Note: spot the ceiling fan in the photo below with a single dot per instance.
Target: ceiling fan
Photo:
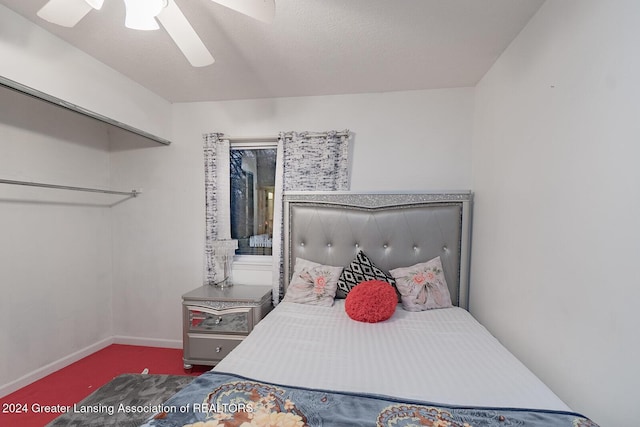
(144, 14)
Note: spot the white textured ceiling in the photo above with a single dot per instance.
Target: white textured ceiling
(313, 47)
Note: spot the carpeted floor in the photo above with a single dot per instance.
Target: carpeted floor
(127, 400)
(73, 383)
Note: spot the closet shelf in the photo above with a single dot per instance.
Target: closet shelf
(132, 193)
(19, 87)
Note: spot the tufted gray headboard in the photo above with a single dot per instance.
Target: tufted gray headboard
(394, 230)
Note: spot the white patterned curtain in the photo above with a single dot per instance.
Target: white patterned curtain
(306, 162)
(217, 205)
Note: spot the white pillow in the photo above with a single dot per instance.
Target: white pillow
(312, 283)
(422, 286)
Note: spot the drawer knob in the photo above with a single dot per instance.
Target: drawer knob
(218, 320)
(218, 349)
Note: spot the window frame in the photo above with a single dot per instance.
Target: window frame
(253, 262)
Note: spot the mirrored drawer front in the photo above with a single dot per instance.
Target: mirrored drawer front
(203, 320)
(206, 347)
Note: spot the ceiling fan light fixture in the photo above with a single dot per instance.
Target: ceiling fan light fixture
(140, 14)
(96, 4)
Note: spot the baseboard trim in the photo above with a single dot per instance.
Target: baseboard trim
(52, 367)
(147, 342)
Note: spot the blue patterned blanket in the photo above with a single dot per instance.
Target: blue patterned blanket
(225, 400)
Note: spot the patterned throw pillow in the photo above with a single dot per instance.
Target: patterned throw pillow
(422, 286)
(361, 269)
(312, 283)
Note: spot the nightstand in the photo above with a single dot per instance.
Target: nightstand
(215, 320)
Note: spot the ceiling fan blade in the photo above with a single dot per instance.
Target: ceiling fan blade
(183, 34)
(66, 13)
(262, 10)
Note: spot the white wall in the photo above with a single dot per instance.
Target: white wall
(556, 233)
(55, 246)
(403, 141)
(36, 58)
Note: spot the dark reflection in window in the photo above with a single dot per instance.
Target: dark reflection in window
(252, 189)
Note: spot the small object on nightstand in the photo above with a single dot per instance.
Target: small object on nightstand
(215, 320)
(223, 252)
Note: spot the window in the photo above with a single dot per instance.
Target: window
(253, 171)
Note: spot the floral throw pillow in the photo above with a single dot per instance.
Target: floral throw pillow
(422, 286)
(313, 283)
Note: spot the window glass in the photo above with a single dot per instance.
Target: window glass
(252, 189)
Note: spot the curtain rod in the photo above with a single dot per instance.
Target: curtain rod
(274, 138)
(132, 193)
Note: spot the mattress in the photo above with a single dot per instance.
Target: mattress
(441, 356)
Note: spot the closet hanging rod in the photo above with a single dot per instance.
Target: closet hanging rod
(132, 193)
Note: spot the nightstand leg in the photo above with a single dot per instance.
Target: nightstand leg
(187, 367)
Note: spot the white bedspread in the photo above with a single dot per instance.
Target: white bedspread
(442, 356)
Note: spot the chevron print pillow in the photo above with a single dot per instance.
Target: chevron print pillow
(361, 269)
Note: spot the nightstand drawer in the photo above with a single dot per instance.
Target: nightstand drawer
(207, 347)
(204, 319)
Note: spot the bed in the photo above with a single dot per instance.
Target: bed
(314, 365)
